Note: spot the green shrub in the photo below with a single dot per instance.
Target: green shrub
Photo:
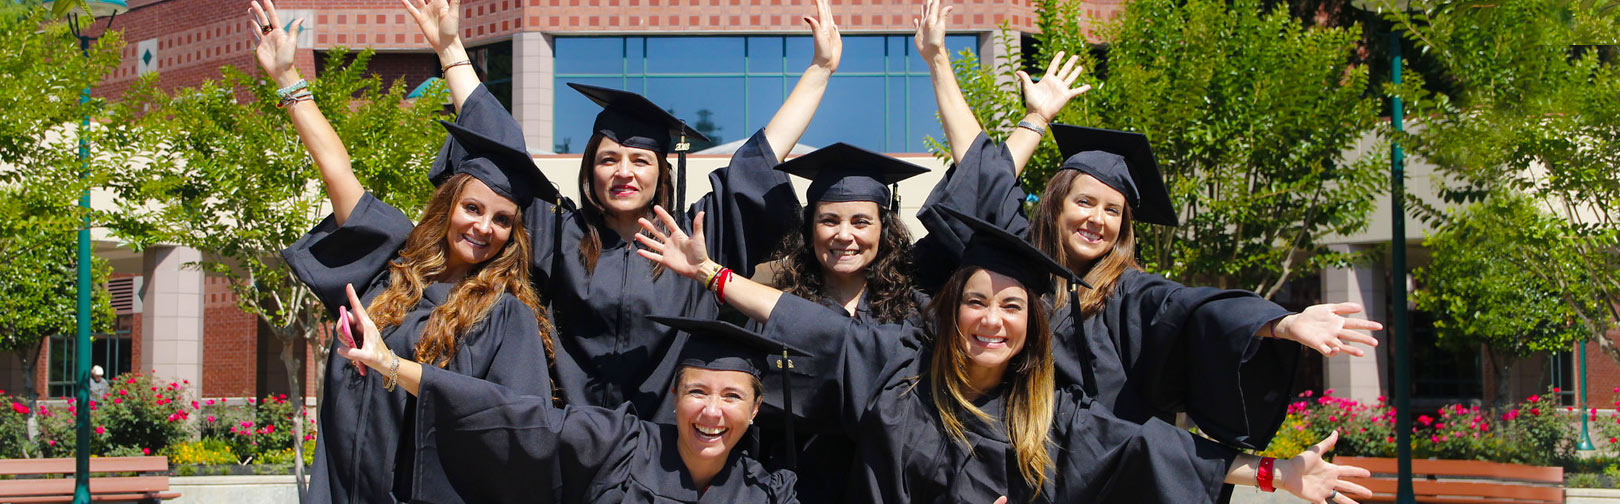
(142, 415)
(1584, 480)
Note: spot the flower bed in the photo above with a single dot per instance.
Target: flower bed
(142, 416)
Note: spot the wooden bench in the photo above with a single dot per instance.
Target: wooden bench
(1462, 481)
(139, 488)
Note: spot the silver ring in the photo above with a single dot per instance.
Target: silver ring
(1332, 496)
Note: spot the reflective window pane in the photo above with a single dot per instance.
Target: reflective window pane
(765, 55)
(685, 55)
(589, 55)
(707, 104)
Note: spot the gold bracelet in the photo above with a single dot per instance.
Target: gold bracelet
(447, 68)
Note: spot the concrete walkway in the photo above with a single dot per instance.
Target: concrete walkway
(252, 489)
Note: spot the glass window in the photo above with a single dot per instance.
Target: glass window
(730, 86)
(494, 64)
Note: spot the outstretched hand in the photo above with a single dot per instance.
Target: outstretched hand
(824, 32)
(439, 20)
(371, 350)
(675, 250)
(275, 43)
(1309, 477)
(1047, 97)
(1325, 328)
(930, 23)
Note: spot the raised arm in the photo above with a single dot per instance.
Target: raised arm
(687, 256)
(274, 51)
(793, 118)
(440, 22)
(955, 115)
(1042, 102)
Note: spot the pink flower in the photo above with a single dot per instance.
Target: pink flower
(1306, 393)
(1389, 439)
(210, 402)
(211, 418)
(1327, 392)
(1425, 419)
(101, 429)
(1535, 411)
(51, 442)
(118, 400)
(123, 392)
(146, 451)
(250, 400)
(1434, 439)
(1533, 398)
(246, 424)
(19, 408)
(194, 405)
(1614, 440)
(1557, 390)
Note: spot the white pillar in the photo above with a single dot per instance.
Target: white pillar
(532, 88)
(1358, 378)
(172, 325)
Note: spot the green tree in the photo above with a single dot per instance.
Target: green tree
(41, 178)
(1250, 114)
(1534, 110)
(233, 182)
(1480, 292)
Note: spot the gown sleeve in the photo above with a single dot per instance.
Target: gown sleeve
(1101, 458)
(1197, 353)
(517, 357)
(982, 185)
(332, 256)
(751, 207)
(855, 359)
(499, 446)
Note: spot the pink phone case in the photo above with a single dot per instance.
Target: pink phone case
(346, 327)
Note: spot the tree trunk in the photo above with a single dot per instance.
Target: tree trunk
(30, 361)
(296, 395)
(1502, 369)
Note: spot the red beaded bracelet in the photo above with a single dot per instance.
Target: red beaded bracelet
(1262, 477)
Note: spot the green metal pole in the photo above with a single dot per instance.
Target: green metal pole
(81, 450)
(1403, 347)
(1586, 439)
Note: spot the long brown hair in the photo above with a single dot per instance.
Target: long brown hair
(888, 278)
(590, 247)
(423, 258)
(1103, 274)
(1029, 399)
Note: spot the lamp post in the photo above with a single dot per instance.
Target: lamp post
(1399, 327)
(81, 373)
(1586, 439)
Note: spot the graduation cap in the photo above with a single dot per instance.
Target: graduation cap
(634, 121)
(506, 168)
(723, 346)
(843, 172)
(1122, 160)
(995, 249)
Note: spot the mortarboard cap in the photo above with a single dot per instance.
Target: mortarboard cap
(843, 172)
(634, 121)
(1122, 160)
(993, 248)
(723, 346)
(506, 168)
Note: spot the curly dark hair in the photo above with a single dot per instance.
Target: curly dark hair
(888, 278)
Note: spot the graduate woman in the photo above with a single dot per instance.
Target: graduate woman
(964, 408)
(452, 291)
(604, 455)
(608, 352)
(1147, 346)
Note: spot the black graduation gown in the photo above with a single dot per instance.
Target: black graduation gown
(364, 450)
(1159, 347)
(875, 388)
(825, 453)
(499, 441)
(607, 352)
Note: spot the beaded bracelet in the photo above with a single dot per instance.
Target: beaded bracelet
(392, 380)
(283, 93)
(288, 101)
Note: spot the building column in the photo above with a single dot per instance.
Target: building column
(1358, 378)
(172, 325)
(532, 88)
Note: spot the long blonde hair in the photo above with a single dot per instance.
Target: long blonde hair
(423, 258)
(1102, 274)
(1028, 415)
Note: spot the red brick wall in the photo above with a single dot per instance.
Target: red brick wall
(230, 344)
(1603, 375)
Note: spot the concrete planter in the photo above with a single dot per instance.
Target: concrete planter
(276, 489)
(1591, 496)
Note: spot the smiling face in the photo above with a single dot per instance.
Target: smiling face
(845, 236)
(993, 318)
(480, 224)
(1091, 219)
(624, 180)
(713, 410)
